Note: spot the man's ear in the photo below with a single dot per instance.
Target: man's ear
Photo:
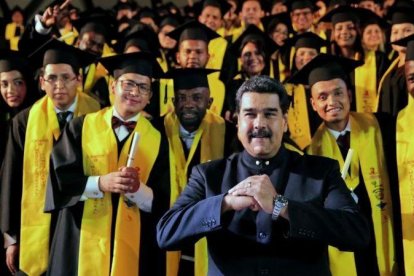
(312, 101)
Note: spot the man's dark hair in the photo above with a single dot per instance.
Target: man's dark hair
(263, 84)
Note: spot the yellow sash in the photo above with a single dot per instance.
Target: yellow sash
(210, 135)
(162, 61)
(366, 84)
(71, 39)
(100, 157)
(393, 66)
(366, 140)
(166, 96)
(405, 162)
(42, 130)
(298, 119)
(9, 35)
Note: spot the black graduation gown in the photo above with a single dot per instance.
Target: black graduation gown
(66, 185)
(393, 94)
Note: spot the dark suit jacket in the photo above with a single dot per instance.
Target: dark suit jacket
(321, 213)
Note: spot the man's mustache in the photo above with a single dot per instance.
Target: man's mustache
(260, 133)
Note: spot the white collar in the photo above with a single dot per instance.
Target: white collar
(336, 133)
(133, 119)
(71, 108)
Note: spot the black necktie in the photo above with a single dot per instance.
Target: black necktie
(343, 142)
(116, 122)
(62, 118)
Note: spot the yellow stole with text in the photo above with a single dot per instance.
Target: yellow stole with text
(366, 141)
(298, 119)
(393, 66)
(42, 130)
(100, 157)
(210, 136)
(405, 162)
(366, 84)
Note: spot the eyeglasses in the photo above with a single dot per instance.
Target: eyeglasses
(65, 78)
(132, 86)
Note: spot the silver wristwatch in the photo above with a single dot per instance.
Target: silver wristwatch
(280, 202)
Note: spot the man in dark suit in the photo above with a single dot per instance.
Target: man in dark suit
(265, 210)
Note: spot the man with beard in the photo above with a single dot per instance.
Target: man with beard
(196, 135)
(266, 210)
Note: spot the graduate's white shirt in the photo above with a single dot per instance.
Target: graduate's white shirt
(336, 133)
(142, 198)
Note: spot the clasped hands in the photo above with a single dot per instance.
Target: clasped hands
(125, 180)
(255, 192)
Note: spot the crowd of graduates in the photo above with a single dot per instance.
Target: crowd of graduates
(196, 58)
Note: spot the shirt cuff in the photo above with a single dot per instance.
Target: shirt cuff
(92, 189)
(39, 26)
(142, 198)
(8, 240)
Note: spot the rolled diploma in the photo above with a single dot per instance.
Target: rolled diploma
(133, 149)
(347, 163)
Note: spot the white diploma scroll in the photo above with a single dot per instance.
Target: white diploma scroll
(347, 163)
(133, 149)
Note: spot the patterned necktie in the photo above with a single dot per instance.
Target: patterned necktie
(116, 122)
(62, 118)
(343, 142)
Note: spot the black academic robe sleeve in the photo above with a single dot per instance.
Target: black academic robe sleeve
(12, 177)
(67, 181)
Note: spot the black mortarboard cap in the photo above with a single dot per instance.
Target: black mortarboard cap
(253, 33)
(172, 20)
(97, 21)
(223, 5)
(56, 52)
(401, 14)
(308, 40)
(12, 60)
(147, 12)
(408, 42)
(188, 78)
(143, 63)
(324, 67)
(368, 17)
(270, 22)
(193, 30)
(142, 36)
(341, 14)
(302, 4)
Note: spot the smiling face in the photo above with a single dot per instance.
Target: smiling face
(252, 59)
(303, 55)
(261, 124)
(345, 34)
(372, 37)
(132, 93)
(211, 17)
(332, 101)
(191, 105)
(13, 88)
(302, 19)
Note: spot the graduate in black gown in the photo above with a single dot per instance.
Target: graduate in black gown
(26, 163)
(106, 209)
